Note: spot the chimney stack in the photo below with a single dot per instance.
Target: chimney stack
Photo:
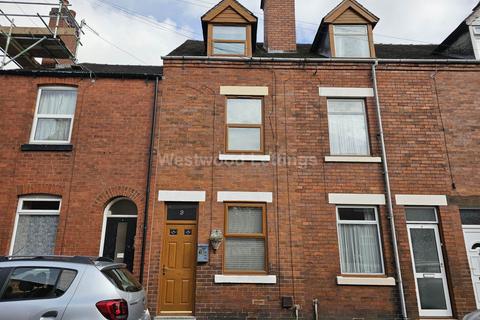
(65, 22)
(280, 31)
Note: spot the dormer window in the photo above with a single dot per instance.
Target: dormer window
(351, 41)
(229, 40)
(229, 29)
(346, 32)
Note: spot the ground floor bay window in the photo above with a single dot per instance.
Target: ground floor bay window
(359, 241)
(36, 223)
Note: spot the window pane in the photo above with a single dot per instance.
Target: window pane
(53, 129)
(347, 127)
(124, 207)
(244, 111)
(66, 279)
(245, 254)
(123, 280)
(470, 216)
(228, 48)
(421, 214)
(360, 214)
(350, 30)
(245, 220)
(31, 283)
(425, 252)
(351, 41)
(360, 249)
(57, 102)
(35, 235)
(41, 205)
(181, 211)
(244, 139)
(432, 294)
(229, 33)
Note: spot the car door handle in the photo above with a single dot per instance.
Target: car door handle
(49, 315)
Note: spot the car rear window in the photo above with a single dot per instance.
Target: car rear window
(123, 279)
(37, 283)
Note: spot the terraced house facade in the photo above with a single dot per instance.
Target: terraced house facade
(247, 180)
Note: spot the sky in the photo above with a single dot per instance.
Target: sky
(142, 31)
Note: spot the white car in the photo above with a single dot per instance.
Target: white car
(69, 288)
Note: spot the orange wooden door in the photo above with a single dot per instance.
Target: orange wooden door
(178, 269)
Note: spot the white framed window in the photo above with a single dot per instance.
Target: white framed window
(351, 41)
(359, 240)
(35, 229)
(347, 126)
(54, 113)
(476, 40)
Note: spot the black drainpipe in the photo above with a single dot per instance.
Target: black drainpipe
(148, 180)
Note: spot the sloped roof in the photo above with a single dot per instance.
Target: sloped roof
(194, 48)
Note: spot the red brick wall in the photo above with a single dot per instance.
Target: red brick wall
(110, 138)
(280, 31)
(302, 232)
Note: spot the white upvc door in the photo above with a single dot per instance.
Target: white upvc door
(429, 270)
(472, 242)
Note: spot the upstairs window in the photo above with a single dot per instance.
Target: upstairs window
(244, 125)
(54, 115)
(229, 40)
(351, 41)
(347, 125)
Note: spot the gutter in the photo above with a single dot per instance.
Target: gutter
(148, 180)
(80, 74)
(389, 195)
(324, 60)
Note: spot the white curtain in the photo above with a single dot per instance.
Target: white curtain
(360, 249)
(55, 102)
(348, 134)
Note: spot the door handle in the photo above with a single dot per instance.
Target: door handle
(49, 315)
(164, 269)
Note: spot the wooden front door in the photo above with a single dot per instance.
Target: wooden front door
(178, 268)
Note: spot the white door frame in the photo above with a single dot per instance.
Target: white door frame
(442, 275)
(108, 214)
(471, 229)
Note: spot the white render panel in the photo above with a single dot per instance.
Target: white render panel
(223, 196)
(243, 91)
(354, 198)
(370, 281)
(421, 200)
(244, 157)
(337, 92)
(246, 279)
(353, 159)
(181, 196)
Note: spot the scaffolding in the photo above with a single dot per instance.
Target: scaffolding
(24, 45)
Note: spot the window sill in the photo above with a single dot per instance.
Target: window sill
(353, 159)
(246, 279)
(47, 147)
(366, 281)
(244, 157)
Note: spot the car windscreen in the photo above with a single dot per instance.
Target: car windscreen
(123, 279)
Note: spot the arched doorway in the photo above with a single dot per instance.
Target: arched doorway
(118, 232)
